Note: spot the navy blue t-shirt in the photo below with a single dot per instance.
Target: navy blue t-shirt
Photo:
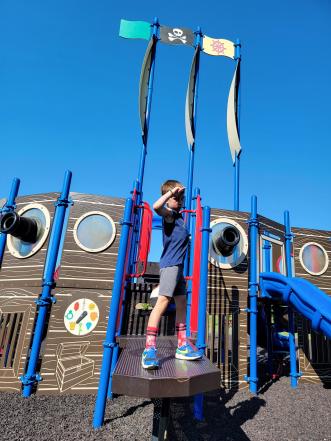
(175, 241)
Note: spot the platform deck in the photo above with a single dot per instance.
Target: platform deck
(174, 378)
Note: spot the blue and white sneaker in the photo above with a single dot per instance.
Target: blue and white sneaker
(186, 352)
(149, 359)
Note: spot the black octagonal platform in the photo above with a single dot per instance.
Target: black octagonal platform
(174, 378)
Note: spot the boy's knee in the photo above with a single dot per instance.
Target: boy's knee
(163, 299)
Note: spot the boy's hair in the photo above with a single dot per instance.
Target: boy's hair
(169, 185)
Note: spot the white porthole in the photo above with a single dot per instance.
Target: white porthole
(94, 231)
(40, 215)
(235, 243)
(313, 258)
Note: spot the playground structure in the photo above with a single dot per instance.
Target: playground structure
(251, 282)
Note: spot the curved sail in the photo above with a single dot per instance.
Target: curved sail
(143, 87)
(232, 117)
(189, 104)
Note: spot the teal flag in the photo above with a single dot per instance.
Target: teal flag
(135, 29)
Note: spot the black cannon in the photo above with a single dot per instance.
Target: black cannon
(225, 240)
(24, 228)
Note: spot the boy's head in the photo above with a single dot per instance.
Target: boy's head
(176, 202)
(170, 184)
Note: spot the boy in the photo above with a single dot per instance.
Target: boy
(172, 282)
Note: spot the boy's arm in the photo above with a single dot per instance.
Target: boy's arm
(160, 208)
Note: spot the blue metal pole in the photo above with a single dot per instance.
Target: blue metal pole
(131, 267)
(114, 359)
(253, 286)
(267, 268)
(203, 292)
(139, 182)
(148, 106)
(191, 260)
(237, 159)
(293, 361)
(46, 298)
(188, 202)
(110, 343)
(8, 207)
(236, 182)
(201, 337)
(189, 186)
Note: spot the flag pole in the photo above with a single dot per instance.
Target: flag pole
(237, 156)
(138, 184)
(148, 107)
(188, 263)
(198, 39)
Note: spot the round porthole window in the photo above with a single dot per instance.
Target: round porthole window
(314, 258)
(94, 231)
(228, 243)
(27, 230)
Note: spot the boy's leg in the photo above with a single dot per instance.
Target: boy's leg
(184, 350)
(154, 320)
(181, 319)
(149, 359)
(158, 310)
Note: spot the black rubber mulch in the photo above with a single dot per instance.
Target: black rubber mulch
(278, 413)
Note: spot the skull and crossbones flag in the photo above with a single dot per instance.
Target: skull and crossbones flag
(181, 36)
(218, 47)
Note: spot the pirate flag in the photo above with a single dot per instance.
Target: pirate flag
(135, 29)
(181, 36)
(218, 47)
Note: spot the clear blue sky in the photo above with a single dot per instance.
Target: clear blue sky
(69, 99)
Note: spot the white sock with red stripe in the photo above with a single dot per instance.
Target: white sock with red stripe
(181, 334)
(151, 334)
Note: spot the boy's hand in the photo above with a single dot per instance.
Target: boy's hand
(177, 191)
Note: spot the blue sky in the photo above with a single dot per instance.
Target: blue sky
(69, 100)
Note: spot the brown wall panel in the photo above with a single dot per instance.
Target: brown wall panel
(82, 269)
(314, 349)
(227, 323)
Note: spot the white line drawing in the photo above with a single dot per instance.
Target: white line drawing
(73, 367)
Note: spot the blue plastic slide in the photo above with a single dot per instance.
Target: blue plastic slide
(305, 297)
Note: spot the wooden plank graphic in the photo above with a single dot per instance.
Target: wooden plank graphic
(17, 312)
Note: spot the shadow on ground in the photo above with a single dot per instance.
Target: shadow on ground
(221, 422)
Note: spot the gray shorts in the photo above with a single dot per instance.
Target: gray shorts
(172, 282)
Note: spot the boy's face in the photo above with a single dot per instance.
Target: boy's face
(177, 202)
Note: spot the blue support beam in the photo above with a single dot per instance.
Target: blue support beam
(110, 342)
(237, 56)
(191, 261)
(203, 289)
(203, 292)
(253, 287)
(46, 298)
(288, 263)
(267, 307)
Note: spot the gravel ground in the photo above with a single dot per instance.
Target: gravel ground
(277, 413)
